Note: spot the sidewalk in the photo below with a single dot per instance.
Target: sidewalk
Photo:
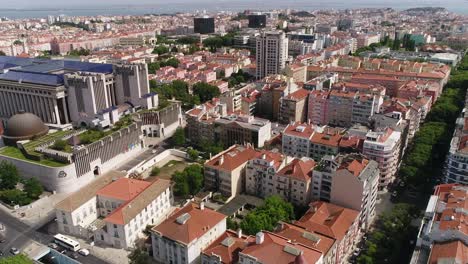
(36, 212)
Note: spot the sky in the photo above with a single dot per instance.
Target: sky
(270, 3)
(171, 6)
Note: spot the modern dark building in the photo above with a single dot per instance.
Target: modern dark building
(204, 25)
(257, 21)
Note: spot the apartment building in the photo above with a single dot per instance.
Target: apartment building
(325, 142)
(457, 159)
(183, 236)
(226, 248)
(113, 210)
(308, 140)
(272, 248)
(210, 122)
(410, 110)
(443, 236)
(333, 221)
(293, 181)
(293, 107)
(240, 129)
(260, 173)
(317, 109)
(350, 181)
(296, 139)
(326, 245)
(225, 172)
(200, 121)
(383, 146)
(271, 53)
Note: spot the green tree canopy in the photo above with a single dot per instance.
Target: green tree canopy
(139, 256)
(205, 91)
(18, 259)
(267, 216)
(9, 175)
(33, 188)
(160, 49)
(188, 181)
(178, 138)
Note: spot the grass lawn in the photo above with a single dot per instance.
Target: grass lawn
(169, 169)
(17, 154)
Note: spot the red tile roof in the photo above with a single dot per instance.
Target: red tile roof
(299, 169)
(198, 223)
(298, 234)
(455, 250)
(124, 189)
(277, 249)
(227, 246)
(232, 158)
(328, 219)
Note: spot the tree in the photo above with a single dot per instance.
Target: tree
(9, 175)
(205, 91)
(139, 256)
(33, 188)
(18, 259)
(188, 181)
(155, 171)
(15, 197)
(173, 62)
(181, 185)
(267, 216)
(195, 178)
(79, 52)
(193, 154)
(59, 145)
(153, 67)
(178, 138)
(160, 49)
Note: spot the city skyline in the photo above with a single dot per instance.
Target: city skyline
(123, 7)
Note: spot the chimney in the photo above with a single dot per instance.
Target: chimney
(221, 160)
(239, 233)
(202, 206)
(259, 238)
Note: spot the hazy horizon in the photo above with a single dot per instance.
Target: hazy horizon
(41, 8)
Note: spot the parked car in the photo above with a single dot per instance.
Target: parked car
(14, 251)
(83, 252)
(53, 246)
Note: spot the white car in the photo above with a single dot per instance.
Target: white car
(83, 252)
(14, 251)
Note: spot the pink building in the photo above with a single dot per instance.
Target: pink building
(318, 107)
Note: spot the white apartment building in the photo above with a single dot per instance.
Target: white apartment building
(260, 173)
(271, 53)
(114, 209)
(272, 248)
(183, 236)
(457, 159)
(293, 181)
(350, 181)
(296, 139)
(225, 172)
(443, 235)
(383, 146)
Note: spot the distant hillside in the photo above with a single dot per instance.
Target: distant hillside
(302, 14)
(426, 10)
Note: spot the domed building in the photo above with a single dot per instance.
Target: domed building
(23, 126)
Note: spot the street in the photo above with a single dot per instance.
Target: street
(17, 234)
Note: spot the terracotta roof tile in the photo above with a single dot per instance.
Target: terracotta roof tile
(197, 224)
